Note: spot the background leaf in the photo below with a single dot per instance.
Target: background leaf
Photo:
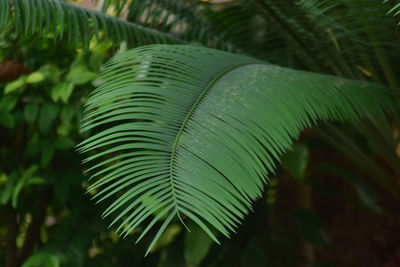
(30, 112)
(197, 245)
(296, 161)
(47, 115)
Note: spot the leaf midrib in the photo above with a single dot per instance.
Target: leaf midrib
(186, 120)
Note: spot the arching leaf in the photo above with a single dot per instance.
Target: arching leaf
(57, 17)
(195, 132)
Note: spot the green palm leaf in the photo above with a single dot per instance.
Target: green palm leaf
(194, 132)
(226, 26)
(58, 17)
(395, 10)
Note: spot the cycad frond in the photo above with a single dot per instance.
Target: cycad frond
(58, 17)
(195, 132)
(195, 21)
(338, 16)
(332, 38)
(227, 25)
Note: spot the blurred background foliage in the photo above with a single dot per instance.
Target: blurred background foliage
(334, 202)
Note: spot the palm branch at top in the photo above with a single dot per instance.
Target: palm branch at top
(63, 20)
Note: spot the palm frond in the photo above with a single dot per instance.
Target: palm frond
(65, 20)
(194, 21)
(336, 37)
(116, 5)
(194, 132)
(395, 10)
(228, 25)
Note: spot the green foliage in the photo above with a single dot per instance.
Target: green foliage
(59, 18)
(182, 134)
(38, 157)
(197, 245)
(185, 136)
(395, 10)
(311, 228)
(42, 259)
(14, 85)
(296, 161)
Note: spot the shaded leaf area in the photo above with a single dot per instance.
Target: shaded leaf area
(40, 178)
(235, 26)
(197, 245)
(201, 130)
(60, 20)
(230, 26)
(296, 161)
(338, 37)
(395, 10)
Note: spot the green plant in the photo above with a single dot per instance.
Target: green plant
(198, 131)
(163, 115)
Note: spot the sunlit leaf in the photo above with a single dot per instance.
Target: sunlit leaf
(14, 85)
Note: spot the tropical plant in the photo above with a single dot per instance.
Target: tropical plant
(201, 130)
(184, 131)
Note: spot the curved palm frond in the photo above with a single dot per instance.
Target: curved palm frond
(194, 132)
(228, 25)
(197, 21)
(60, 18)
(338, 16)
(338, 37)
